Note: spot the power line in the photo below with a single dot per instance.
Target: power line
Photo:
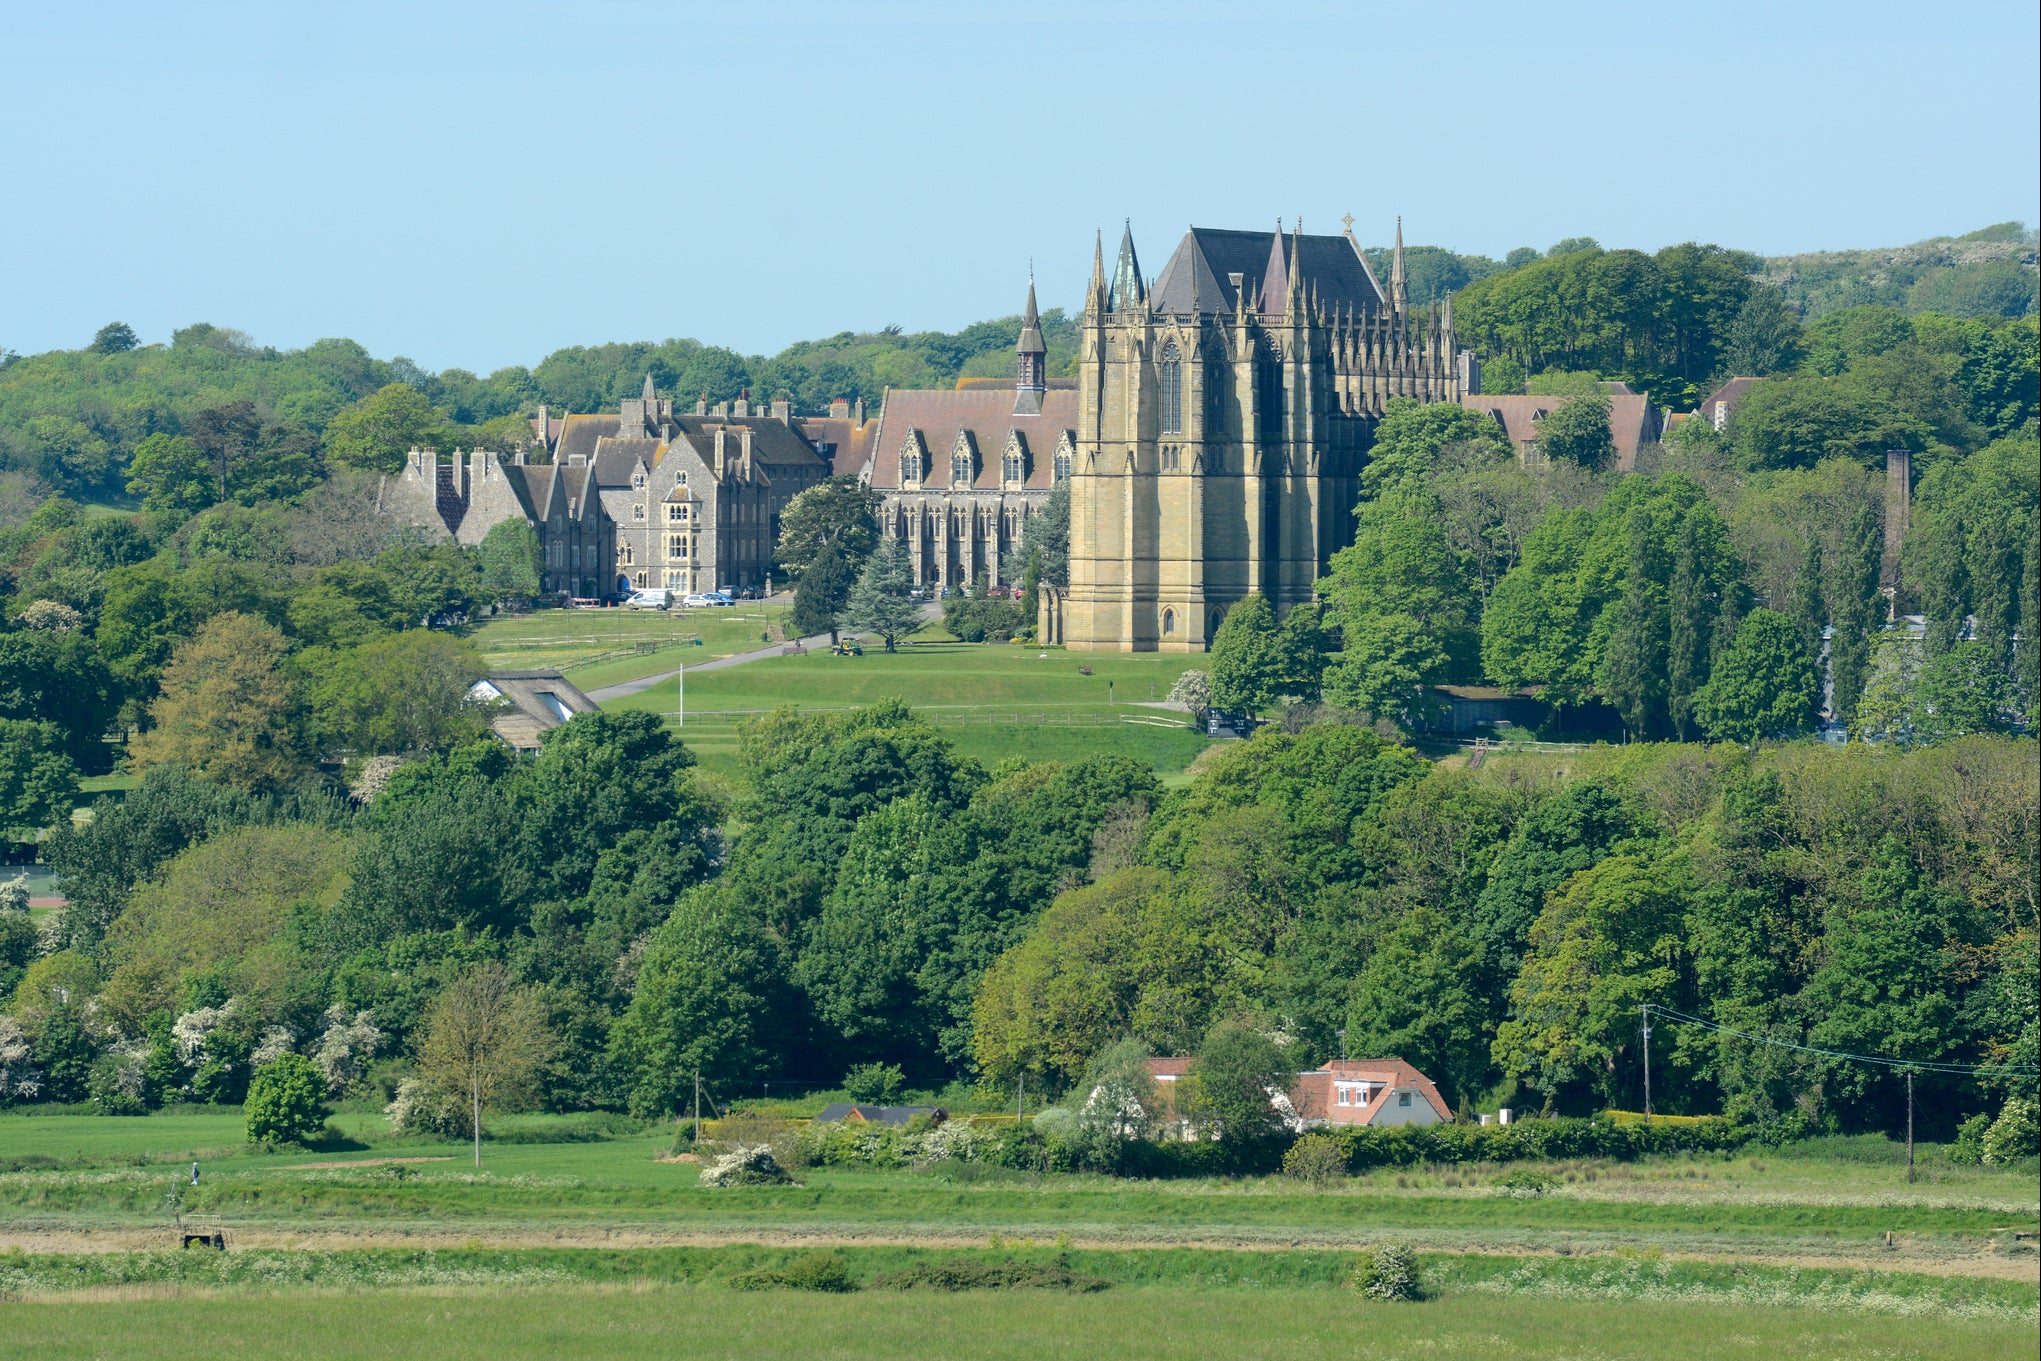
(1918, 1066)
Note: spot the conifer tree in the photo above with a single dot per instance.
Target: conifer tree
(823, 590)
(1633, 669)
(882, 601)
(1853, 613)
(1691, 613)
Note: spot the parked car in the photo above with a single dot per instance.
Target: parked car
(652, 598)
(721, 598)
(700, 601)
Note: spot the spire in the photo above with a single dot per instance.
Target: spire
(1399, 282)
(1030, 366)
(1128, 290)
(648, 394)
(1031, 323)
(1095, 293)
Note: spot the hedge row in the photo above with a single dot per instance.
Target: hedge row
(1407, 1146)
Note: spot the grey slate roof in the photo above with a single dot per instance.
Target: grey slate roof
(1333, 267)
(879, 1115)
(535, 702)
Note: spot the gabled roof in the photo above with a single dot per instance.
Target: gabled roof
(988, 414)
(774, 443)
(534, 702)
(1311, 1094)
(578, 435)
(841, 441)
(1333, 267)
(1633, 420)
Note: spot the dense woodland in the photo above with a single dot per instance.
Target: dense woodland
(197, 590)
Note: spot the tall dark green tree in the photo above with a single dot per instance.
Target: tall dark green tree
(1853, 612)
(1690, 610)
(1247, 659)
(823, 590)
(1633, 671)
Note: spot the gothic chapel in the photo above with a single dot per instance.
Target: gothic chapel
(1222, 415)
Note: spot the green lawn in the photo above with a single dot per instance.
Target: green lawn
(994, 699)
(573, 639)
(451, 1323)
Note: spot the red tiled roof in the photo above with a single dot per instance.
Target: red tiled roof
(850, 443)
(1633, 420)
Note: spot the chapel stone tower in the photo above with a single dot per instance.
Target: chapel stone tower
(1223, 414)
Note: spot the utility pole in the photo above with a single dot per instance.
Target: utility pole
(698, 1108)
(1020, 1100)
(1909, 1127)
(1645, 1012)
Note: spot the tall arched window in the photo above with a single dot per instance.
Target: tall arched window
(1172, 389)
(960, 469)
(910, 468)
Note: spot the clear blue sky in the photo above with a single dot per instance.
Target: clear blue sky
(478, 184)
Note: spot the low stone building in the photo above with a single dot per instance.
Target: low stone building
(1633, 421)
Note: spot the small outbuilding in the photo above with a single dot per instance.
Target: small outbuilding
(895, 1116)
(529, 704)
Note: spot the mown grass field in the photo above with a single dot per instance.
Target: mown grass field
(573, 639)
(1172, 1323)
(993, 699)
(597, 1247)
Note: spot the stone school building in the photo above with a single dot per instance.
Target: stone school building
(642, 498)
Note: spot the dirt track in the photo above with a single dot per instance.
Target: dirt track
(2023, 1267)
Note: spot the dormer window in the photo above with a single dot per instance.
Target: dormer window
(638, 480)
(960, 469)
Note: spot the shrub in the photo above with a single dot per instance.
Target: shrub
(119, 1084)
(874, 1083)
(754, 1166)
(812, 1271)
(1315, 1159)
(1388, 1273)
(2016, 1134)
(284, 1103)
(422, 1108)
(1968, 1150)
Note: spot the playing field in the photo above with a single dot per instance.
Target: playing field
(993, 699)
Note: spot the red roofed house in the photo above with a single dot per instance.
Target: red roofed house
(1376, 1092)
(1633, 421)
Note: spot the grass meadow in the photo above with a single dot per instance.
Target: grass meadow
(576, 1238)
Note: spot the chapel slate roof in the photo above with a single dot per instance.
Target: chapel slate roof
(1333, 267)
(987, 415)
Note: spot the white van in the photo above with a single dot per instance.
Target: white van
(651, 598)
